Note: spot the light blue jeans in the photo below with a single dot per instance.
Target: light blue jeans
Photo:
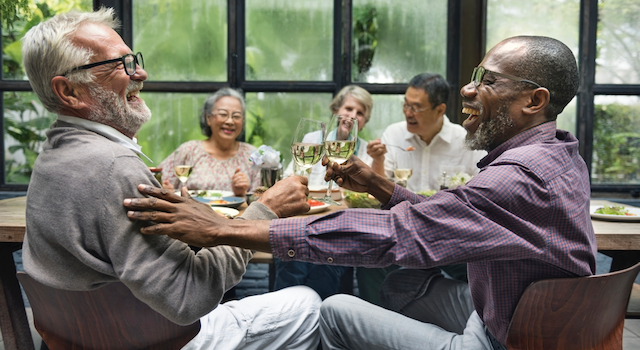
(348, 322)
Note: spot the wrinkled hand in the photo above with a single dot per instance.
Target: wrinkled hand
(288, 197)
(239, 183)
(179, 217)
(376, 149)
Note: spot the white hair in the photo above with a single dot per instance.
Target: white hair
(48, 51)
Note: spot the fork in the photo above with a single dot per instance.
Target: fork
(408, 149)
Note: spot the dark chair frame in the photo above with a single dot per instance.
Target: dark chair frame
(573, 313)
(110, 317)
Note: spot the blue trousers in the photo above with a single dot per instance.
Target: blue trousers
(324, 279)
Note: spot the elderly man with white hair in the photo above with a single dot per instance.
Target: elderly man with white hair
(78, 234)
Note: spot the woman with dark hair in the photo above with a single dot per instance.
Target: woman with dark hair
(220, 162)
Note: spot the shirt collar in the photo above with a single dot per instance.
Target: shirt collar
(106, 131)
(542, 132)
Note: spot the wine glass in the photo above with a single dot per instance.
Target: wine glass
(402, 175)
(182, 172)
(307, 147)
(339, 145)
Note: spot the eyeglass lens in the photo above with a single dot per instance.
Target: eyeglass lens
(130, 62)
(476, 76)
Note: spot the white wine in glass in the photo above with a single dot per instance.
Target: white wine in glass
(339, 145)
(402, 175)
(307, 147)
(182, 172)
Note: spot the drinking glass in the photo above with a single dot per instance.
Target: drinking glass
(307, 147)
(182, 172)
(402, 175)
(339, 145)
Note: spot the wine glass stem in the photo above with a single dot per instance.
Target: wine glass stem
(328, 194)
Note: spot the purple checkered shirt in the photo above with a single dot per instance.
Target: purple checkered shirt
(523, 218)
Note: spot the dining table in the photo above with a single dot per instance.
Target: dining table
(16, 333)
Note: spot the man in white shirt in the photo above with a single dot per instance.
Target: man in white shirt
(438, 144)
(438, 154)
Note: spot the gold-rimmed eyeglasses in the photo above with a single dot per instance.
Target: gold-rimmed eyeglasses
(480, 71)
(413, 109)
(224, 115)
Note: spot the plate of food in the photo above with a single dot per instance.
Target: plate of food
(360, 200)
(210, 193)
(230, 202)
(228, 212)
(316, 206)
(614, 213)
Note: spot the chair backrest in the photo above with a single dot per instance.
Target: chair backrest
(573, 313)
(110, 317)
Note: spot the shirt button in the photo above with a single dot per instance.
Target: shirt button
(330, 260)
(291, 253)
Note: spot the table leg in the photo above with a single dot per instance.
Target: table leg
(16, 333)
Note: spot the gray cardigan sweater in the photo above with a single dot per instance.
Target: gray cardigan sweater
(78, 236)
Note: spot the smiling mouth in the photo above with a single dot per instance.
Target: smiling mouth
(470, 111)
(132, 96)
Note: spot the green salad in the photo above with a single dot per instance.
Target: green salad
(428, 193)
(361, 200)
(614, 210)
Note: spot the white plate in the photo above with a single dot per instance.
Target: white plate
(318, 208)
(230, 212)
(209, 193)
(609, 217)
(232, 202)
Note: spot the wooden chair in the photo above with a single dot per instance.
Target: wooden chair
(573, 313)
(105, 318)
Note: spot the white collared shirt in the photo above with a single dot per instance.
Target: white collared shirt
(446, 153)
(106, 131)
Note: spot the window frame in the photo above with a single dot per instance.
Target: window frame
(466, 24)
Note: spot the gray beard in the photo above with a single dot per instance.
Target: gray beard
(489, 134)
(111, 110)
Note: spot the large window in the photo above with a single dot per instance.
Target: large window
(290, 58)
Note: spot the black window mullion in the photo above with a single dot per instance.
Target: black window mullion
(342, 43)
(237, 43)
(586, 65)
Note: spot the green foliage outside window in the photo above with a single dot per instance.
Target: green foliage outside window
(616, 144)
(25, 119)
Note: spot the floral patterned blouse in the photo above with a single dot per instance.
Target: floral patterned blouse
(210, 173)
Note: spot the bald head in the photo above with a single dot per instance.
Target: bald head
(545, 61)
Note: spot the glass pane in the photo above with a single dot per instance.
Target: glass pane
(25, 124)
(558, 19)
(11, 37)
(175, 120)
(272, 118)
(182, 40)
(392, 44)
(289, 40)
(618, 42)
(616, 140)
(387, 109)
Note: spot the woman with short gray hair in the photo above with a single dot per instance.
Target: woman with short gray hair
(220, 162)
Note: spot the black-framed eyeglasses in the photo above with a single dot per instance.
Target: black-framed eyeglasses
(480, 71)
(129, 61)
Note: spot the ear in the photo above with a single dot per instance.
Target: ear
(69, 95)
(538, 101)
(441, 108)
